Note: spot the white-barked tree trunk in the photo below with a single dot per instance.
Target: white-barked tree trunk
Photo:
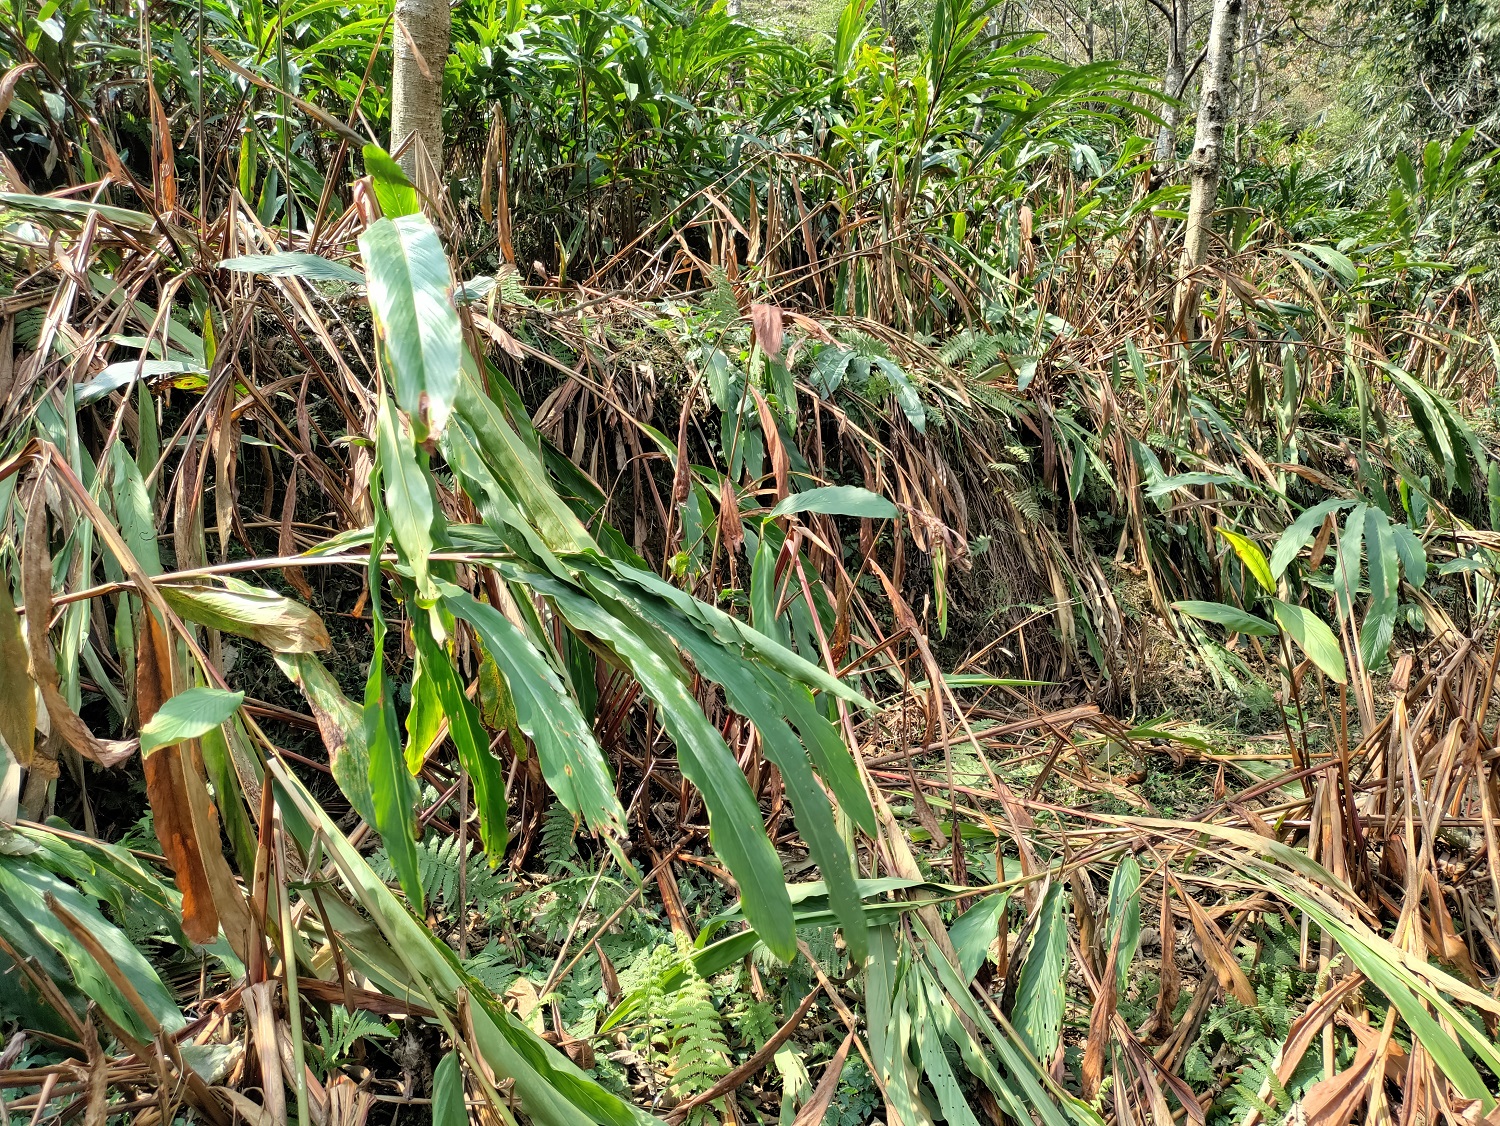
(1208, 155)
(421, 33)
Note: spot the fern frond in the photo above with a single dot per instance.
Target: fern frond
(438, 866)
(558, 848)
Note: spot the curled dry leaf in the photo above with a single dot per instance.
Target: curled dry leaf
(17, 696)
(167, 787)
(765, 322)
(277, 622)
(342, 726)
(781, 462)
(36, 593)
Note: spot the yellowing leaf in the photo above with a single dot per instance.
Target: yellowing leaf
(1252, 557)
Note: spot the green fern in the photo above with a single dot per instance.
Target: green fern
(438, 865)
(512, 291)
(978, 350)
(680, 1032)
(721, 301)
(558, 848)
(1245, 1095)
(755, 1021)
(338, 1036)
(492, 967)
(692, 1036)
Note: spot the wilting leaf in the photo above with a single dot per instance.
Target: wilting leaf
(167, 787)
(17, 696)
(342, 725)
(765, 323)
(1231, 977)
(36, 594)
(838, 500)
(411, 297)
(274, 620)
(188, 715)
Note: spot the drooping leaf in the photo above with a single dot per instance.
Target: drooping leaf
(473, 745)
(735, 827)
(763, 597)
(1413, 554)
(294, 264)
(1123, 914)
(408, 497)
(393, 191)
(123, 374)
(1384, 563)
(341, 724)
(1040, 989)
(1231, 617)
(906, 394)
(279, 623)
(1301, 532)
(571, 760)
(393, 791)
(25, 887)
(838, 500)
(448, 1106)
(133, 509)
(975, 931)
(1313, 637)
(1346, 565)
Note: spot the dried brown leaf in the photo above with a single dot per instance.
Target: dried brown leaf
(1333, 1101)
(1225, 966)
(167, 787)
(36, 594)
(765, 322)
(816, 1107)
(17, 696)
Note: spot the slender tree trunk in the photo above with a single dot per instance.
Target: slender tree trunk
(1243, 37)
(421, 33)
(1208, 154)
(1172, 83)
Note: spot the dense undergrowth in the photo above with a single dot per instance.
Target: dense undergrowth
(727, 600)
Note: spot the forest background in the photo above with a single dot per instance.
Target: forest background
(782, 562)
